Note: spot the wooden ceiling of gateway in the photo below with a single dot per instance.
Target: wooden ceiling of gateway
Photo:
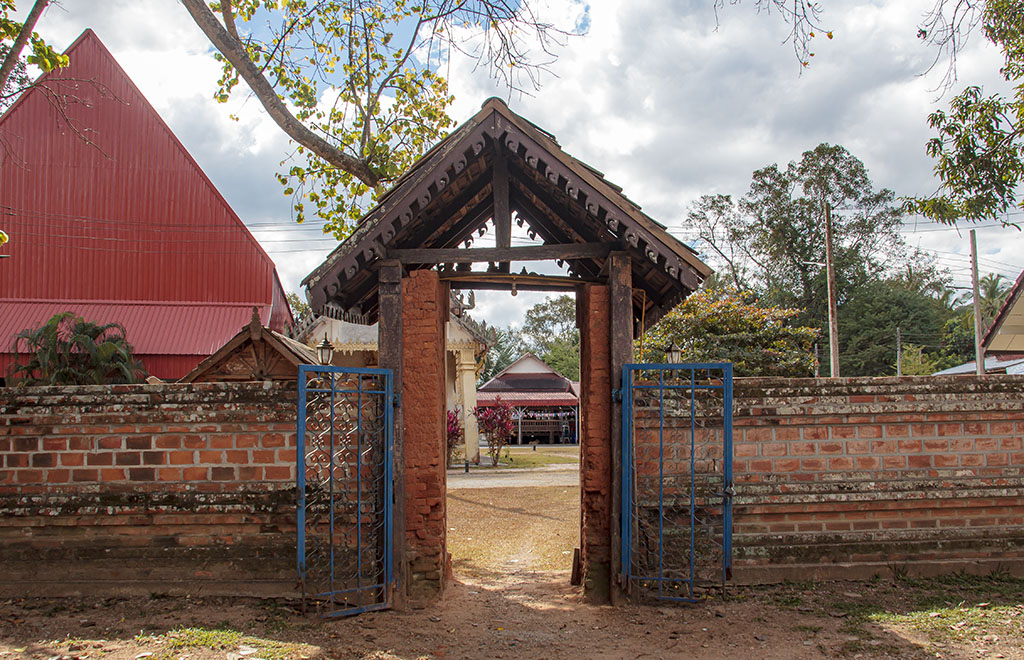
(448, 196)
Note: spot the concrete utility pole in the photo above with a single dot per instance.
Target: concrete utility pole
(979, 357)
(899, 352)
(833, 321)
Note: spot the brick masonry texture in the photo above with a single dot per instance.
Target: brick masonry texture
(98, 482)
(595, 439)
(852, 476)
(424, 311)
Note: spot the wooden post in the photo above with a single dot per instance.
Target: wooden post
(979, 354)
(620, 280)
(502, 210)
(389, 344)
(833, 320)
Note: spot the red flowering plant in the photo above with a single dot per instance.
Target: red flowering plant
(497, 424)
(455, 434)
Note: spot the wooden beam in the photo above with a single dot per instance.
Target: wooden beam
(504, 281)
(620, 281)
(501, 254)
(502, 209)
(389, 345)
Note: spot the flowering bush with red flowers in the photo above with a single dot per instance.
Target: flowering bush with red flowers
(455, 434)
(497, 424)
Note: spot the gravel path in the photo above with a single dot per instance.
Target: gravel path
(556, 475)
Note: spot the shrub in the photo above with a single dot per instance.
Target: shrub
(455, 434)
(68, 350)
(497, 424)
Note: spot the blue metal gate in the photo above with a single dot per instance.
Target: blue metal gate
(345, 488)
(677, 479)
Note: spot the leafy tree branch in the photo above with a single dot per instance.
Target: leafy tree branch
(355, 83)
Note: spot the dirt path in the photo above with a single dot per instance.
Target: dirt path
(507, 603)
(521, 615)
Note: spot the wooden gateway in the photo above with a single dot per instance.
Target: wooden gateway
(405, 255)
(495, 164)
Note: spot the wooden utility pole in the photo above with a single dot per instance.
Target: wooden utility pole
(899, 352)
(979, 357)
(833, 321)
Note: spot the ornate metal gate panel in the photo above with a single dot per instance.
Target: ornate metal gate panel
(345, 488)
(677, 479)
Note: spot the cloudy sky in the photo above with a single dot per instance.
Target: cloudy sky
(667, 103)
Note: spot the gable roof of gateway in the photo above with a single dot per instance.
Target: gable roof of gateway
(447, 195)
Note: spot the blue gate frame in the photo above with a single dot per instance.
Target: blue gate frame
(677, 482)
(344, 478)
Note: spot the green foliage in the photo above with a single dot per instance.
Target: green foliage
(719, 326)
(773, 245)
(868, 322)
(68, 350)
(957, 341)
(563, 355)
(41, 53)
(916, 362)
(504, 348)
(992, 291)
(979, 147)
(550, 333)
(361, 76)
(773, 240)
(298, 306)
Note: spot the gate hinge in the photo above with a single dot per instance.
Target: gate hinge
(397, 400)
(617, 395)
(730, 491)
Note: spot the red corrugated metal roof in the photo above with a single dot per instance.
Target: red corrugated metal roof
(527, 398)
(186, 332)
(125, 215)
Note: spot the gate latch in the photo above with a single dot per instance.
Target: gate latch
(730, 491)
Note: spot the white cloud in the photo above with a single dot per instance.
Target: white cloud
(668, 106)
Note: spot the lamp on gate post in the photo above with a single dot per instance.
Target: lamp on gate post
(674, 354)
(325, 351)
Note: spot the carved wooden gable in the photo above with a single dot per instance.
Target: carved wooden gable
(495, 164)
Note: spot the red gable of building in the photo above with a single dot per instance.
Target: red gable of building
(109, 214)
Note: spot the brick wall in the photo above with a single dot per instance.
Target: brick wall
(425, 310)
(155, 487)
(592, 309)
(856, 476)
(842, 478)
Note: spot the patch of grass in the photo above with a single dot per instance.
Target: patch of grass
(959, 623)
(810, 630)
(221, 639)
(525, 457)
(787, 600)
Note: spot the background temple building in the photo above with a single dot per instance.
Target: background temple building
(546, 402)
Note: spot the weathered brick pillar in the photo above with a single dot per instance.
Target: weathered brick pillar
(592, 312)
(424, 312)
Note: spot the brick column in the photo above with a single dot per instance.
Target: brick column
(424, 312)
(592, 312)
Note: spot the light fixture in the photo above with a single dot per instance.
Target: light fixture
(674, 354)
(514, 290)
(325, 351)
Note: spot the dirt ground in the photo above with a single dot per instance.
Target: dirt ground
(512, 599)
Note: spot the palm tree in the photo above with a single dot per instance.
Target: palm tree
(992, 290)
(68, 350)
(503, 348)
